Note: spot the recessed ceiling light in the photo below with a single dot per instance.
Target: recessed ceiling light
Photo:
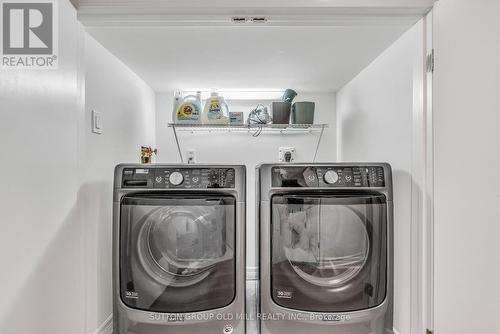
(239, 19)
(259, 19)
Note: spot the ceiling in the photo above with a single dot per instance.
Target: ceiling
(306, 58)
(309, 45)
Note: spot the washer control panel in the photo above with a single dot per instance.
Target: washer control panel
(178, 178)
(328, 176)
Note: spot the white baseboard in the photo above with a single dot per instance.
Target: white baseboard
(395, 331)
(106, 327)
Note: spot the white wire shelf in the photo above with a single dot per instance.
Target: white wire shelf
(254, 129)
(281, 128)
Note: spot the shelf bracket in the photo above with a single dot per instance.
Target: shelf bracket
(317, 144)
(178, 144)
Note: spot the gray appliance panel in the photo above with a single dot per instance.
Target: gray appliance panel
(190, 178)
(315, 176)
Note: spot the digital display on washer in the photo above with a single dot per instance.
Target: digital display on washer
(328, 176)
(179, 178)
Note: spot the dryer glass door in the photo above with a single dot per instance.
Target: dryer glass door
(177, 252)
(329, 251)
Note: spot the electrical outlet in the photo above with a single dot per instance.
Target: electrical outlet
(191, 156)
(287, 154)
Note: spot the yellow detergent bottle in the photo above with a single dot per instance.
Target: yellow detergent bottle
(187, 111)
(216, 110)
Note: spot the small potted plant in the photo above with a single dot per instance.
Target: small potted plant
(147, 153)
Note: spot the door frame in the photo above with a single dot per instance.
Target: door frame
(422, 192)
(422, 219)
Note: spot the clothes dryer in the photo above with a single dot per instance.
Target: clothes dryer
(179, 249)
(326, 248)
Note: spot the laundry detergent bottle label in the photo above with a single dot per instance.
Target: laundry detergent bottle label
(188, 112)
(214, 110)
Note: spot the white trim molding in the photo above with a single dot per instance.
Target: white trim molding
(91, 19)
(428, 231)
(267, 12)
(422, 189)
(252, 6)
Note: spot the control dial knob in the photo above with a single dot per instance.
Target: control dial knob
(331, 177)
(176, 178)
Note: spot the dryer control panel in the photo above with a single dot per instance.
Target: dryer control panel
(328, 176)
(178, 178)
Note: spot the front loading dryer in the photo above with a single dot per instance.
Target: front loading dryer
(179, 256)
(326, 248)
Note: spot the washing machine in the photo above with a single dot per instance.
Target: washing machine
(179, 249)
(326, 248)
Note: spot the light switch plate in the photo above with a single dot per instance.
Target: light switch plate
(96, 122)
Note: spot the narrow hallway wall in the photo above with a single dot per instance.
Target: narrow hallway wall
(127, 105)
(55, 246)
(374, 114)
(40, 243)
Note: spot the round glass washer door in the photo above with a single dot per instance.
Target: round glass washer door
(328, 247)
(178, 246)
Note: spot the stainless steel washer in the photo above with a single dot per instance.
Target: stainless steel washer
(179, 249)
(326, 248)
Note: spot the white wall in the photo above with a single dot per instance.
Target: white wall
(242, 148)
(127, 105)
(374, 113)
(466, 160)
(55, 244)
(40, 242)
